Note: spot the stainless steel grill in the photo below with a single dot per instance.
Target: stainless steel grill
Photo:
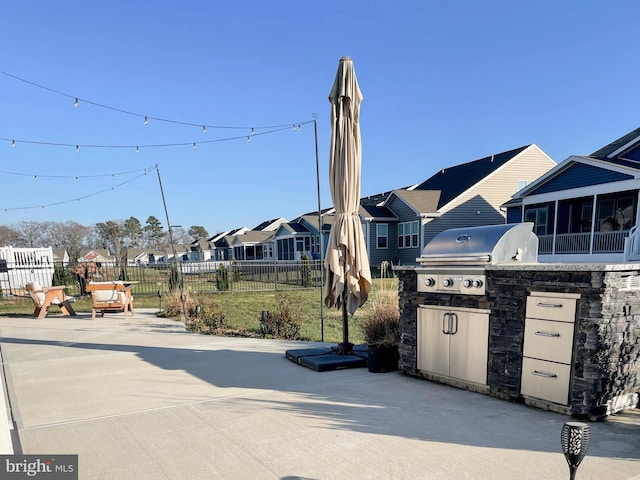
(456, 259)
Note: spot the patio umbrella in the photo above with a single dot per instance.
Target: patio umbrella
(346, 261)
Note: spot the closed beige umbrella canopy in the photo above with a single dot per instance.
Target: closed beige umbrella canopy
(346, 261)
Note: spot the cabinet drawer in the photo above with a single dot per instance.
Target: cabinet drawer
(558, 308)
(547, 340)
(545, 380)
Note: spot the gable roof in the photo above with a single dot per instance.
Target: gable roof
(422, 201)
(453, 181)
(377, 213)
(631, 138)
(252, 236)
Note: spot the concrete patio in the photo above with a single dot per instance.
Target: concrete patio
(141, 398)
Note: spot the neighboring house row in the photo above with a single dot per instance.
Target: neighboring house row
(586, 207)
(399, 223)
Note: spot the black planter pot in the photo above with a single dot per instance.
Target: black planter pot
(382, 358)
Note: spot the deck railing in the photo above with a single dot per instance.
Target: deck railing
(568, 243)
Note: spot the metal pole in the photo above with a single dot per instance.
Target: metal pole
(320, 239)
(173, 249)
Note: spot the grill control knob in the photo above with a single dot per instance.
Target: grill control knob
(467, 283)
(447, 282)
(429, 282)
(477, 283)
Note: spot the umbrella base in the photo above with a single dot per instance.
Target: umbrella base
(326, 359)
(344, 348)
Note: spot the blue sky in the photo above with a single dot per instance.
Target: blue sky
(443, 83)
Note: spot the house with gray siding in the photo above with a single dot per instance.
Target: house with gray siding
(465, 195)
(586, 207)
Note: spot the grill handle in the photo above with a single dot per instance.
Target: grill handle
(454, 316)
(547, 334)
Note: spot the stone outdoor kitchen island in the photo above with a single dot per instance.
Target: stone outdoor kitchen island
(561, 337)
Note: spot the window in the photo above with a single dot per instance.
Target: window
(408, 234)
(522, 184)
(382, 235)
(537, 216)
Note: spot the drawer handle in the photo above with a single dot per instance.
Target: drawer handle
(550, 305)
(544, 374)
(547, 334)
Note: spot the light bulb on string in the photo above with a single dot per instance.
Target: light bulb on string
(77, 148)
(204, 129)
(146, 120)
(253, 131)
(137, 149)
(195, 146)
(248, 139)
(76, 103)
(76, 178)
(13, 143)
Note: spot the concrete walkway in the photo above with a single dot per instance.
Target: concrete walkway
(141, 398)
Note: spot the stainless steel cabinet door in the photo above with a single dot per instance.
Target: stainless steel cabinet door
(433, 344)
(469, 346)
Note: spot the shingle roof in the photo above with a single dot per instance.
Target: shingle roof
(616, 144)
(453, 181)
(375, 211)
(423, 201)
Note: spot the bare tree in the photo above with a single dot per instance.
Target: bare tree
(8, 236)
(31, 234)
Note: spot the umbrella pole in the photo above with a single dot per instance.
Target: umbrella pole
(346, 347)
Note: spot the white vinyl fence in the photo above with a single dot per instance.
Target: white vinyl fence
(19, 266)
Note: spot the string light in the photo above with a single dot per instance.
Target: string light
(137, 149)
(77, 199)
(155, 145)
(204, 129)
(195, 147)
(253, 131)
(248, 139)
(13, 143)
(77, 177)
(127, 112)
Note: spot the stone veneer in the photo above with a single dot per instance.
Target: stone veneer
(606, 366)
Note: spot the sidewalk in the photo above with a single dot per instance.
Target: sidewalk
(140, 398)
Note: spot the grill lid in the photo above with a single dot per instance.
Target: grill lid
(486, 245)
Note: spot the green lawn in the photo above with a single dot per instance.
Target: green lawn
(243, 310)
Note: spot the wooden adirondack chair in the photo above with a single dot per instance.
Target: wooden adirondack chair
(43, 298)
(110, 297)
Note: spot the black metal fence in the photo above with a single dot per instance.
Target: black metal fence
(201, 277)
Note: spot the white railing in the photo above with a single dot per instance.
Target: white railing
(573, 242)
(25, 265)
(603, 242)
(632, 245)
(609, 242)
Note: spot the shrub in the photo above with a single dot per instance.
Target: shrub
(237, 274)
(286, 321)
(382, 326)
(222, 279)
(305, 272)
(208, 318)
(62, 276)
(174, 278)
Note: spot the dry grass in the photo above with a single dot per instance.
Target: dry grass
(382, 324)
